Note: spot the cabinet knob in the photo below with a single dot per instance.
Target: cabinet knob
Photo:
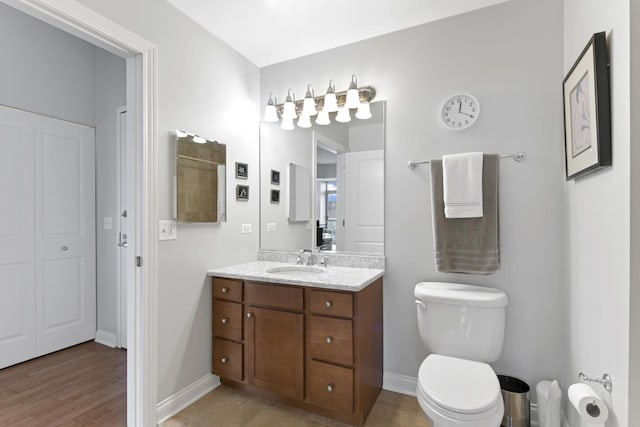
(329, 340)
(330, 388)
(224, 359)
(65, 248)
(249, 315)
(328, 304)
(225, 290)
(224, 320)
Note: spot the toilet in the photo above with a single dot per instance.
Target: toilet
(463, 329)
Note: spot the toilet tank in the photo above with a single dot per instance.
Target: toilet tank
(462, 321)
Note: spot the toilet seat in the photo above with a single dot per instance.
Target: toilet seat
(461, 390)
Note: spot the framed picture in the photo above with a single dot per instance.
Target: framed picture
(275, 196)
(242, 192)
(587, 110)
(242, 170)
(275, 177)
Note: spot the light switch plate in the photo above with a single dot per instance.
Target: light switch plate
(168, 230)
(246, 228)
(271, 226)
(108, 223)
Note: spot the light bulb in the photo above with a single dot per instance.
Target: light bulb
(343, 115)
(330, 100)
(323, 118)
(353, 97)
(364, 111)
(270, 112)
(304, 121)
(289, 110)
(287, 124)
(309, 103)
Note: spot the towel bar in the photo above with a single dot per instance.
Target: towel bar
(518, 157)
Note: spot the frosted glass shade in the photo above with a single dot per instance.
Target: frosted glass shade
(304, 121)
(289, 111)
(330, 103)
(270, 113)
(364, 111)
(309, 107)
(343, 115)
(353, 99)
(323, 118)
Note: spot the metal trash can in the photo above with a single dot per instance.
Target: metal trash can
(515, 394)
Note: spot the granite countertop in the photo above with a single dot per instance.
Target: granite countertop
(333, 277)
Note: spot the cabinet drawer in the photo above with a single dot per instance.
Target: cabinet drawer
(277, 296)
(228, 289)
(331, 339)
(330, 386)
(227, 359)
(227, 320)
(331, 303)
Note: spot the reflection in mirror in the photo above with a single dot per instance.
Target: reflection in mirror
(347, 160)
(200, 179)
(299, 193)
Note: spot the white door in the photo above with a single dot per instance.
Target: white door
(122, 228)
(17, 269)
(363, 199)
(65, 234)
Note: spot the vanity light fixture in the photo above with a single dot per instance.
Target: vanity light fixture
(323, 106)
(270, 111)
(289, 109)
(353, 97)
(309, 103)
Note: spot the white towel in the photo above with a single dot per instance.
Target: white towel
(462, 185)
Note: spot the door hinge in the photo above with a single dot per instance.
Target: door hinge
(138, 261)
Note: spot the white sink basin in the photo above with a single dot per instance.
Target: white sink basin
(296, 269)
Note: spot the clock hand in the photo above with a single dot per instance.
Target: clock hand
(459, 107)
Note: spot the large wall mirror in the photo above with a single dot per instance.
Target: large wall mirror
(341, 168)
(200, 179)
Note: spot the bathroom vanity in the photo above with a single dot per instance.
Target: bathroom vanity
(311, 339)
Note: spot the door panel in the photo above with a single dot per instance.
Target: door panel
(65, 234)
(17, 278)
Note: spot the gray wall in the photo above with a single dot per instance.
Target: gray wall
(598, 225)
(206, 88)
(50, 72)
(510, 57)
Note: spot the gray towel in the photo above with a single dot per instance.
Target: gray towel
(467, 245)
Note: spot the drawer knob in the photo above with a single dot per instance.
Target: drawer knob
(249, 315)
(328, 304)
(225, 290)
(330, 388)
(329, 340)
(224, 320)
(224, 359)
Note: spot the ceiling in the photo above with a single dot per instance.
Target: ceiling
(270, 31)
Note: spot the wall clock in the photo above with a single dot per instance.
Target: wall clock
(460, 111)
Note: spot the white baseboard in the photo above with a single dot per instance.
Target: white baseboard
(399, 383)
(185, 397)
(105, 338)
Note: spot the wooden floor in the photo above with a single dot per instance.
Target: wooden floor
(227, 407)
(83, 385)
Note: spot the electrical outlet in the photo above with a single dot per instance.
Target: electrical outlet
(108, 223)
(168, 230)
(246, 228)
(271, 226)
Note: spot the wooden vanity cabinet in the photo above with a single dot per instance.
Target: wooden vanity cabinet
(316, 349)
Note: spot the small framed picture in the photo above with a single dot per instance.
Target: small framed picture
(242, 192)
(275, 177)
(275, 196)
(587, 113)
(242, 170)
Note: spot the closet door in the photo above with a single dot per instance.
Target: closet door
(17, 278)
(65, 254)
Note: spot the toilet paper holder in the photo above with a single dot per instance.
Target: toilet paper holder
(605, 381)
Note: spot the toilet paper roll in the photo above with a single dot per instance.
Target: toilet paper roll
(588, 404)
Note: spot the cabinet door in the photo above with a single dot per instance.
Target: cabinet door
(275, 342)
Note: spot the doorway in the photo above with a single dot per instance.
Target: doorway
(140, 56)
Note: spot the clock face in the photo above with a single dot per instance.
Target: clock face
(460, 112)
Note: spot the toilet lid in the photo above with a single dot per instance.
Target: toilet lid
(459, 385)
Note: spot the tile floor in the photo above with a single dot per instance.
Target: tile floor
(227, 407)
